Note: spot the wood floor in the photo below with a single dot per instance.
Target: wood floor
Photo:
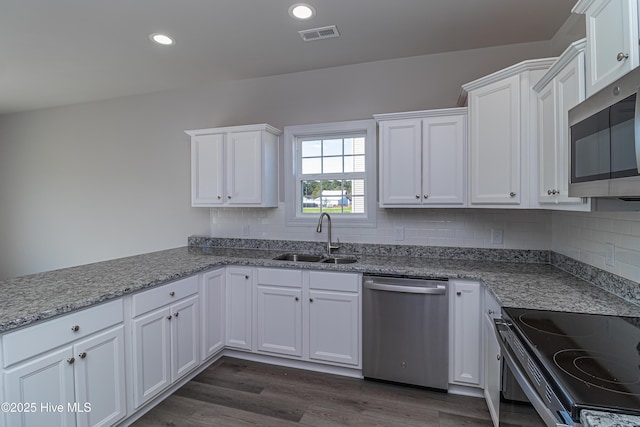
(235, 392)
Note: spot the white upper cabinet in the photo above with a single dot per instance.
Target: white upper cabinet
(502, 139)
(559, 90)
(234, 166)
(422, 158)
(612, 40)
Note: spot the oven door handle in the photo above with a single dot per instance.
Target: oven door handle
(510, 358)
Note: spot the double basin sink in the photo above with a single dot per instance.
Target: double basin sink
(324, 259)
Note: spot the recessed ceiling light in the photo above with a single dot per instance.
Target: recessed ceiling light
(302, 11)
(162, 39)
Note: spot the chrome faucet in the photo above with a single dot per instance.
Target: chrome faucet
(319, 230)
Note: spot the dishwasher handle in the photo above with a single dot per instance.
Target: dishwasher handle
(429, 290)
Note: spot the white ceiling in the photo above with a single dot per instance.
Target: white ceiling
(60, 52)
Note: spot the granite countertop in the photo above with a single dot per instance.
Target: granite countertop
(589, 418)
(31, 298)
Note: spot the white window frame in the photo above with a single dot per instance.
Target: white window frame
(293, 198)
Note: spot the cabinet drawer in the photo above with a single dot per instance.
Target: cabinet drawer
(36, 339)
(163, 295)
(280, 277)
(347, 282)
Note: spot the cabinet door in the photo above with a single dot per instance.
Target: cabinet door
(494, 142)
(400, 158)
(547, 151)
(239, 308)
(466, 344)
(334, 327)
(443, 165)
(280, 320)
(47, 381)
(207, 170)
(570, 90)
(185, 333)
(100, 378)
(244, 168)
(151, 356)
(212, 296)
(612, 29)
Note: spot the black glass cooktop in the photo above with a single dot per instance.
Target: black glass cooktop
(593, 359)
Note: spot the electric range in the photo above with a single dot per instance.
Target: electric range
(574, 361)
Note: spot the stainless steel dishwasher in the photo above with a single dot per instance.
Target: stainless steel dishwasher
(406, 330)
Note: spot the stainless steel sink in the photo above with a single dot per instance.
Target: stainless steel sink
(299, 257)
(333, 260)
(314, 258)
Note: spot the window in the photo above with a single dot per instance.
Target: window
(331, 169)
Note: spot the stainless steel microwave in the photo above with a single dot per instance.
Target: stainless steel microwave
(604, 149)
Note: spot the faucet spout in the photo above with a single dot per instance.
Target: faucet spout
(319, 230)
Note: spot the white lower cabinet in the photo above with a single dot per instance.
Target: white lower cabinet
(212, 298)
(465, 345)
(279, 311)
(81, 382)
(492, 357)
(239, 308)
(311, 315)
(335, 330)
(165, 337)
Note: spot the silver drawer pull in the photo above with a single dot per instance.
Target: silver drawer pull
(75, 328)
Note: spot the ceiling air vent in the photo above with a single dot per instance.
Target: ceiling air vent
(319, 33)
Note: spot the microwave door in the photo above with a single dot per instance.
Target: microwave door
(623, 143)
(591, 154)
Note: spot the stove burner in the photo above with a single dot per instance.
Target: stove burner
(541, 322)
(599, 370)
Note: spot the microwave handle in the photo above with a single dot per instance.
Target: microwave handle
(636, 125)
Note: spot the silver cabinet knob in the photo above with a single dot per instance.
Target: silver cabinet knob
(219, 197)
(491, 312)
(82, 355)
(177, 313)
(75, 328)
(310, 299)
(459, 293)
(498, 356)
(549, 192)
(228, 197)
(172, 294)
(426, 196)
(512, 194)
(169, 317)
(297, 299)
(71, 360)
(246, 277)
(417, 196)
(554, 192)
(622, 56)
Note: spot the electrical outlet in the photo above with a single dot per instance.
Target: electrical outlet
(610, 256)
(496, 236)
(399, 233)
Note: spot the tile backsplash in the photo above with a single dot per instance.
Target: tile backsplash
(579, 235)
(588, 236)
(470, 228)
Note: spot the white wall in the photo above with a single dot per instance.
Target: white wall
(109, 179)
